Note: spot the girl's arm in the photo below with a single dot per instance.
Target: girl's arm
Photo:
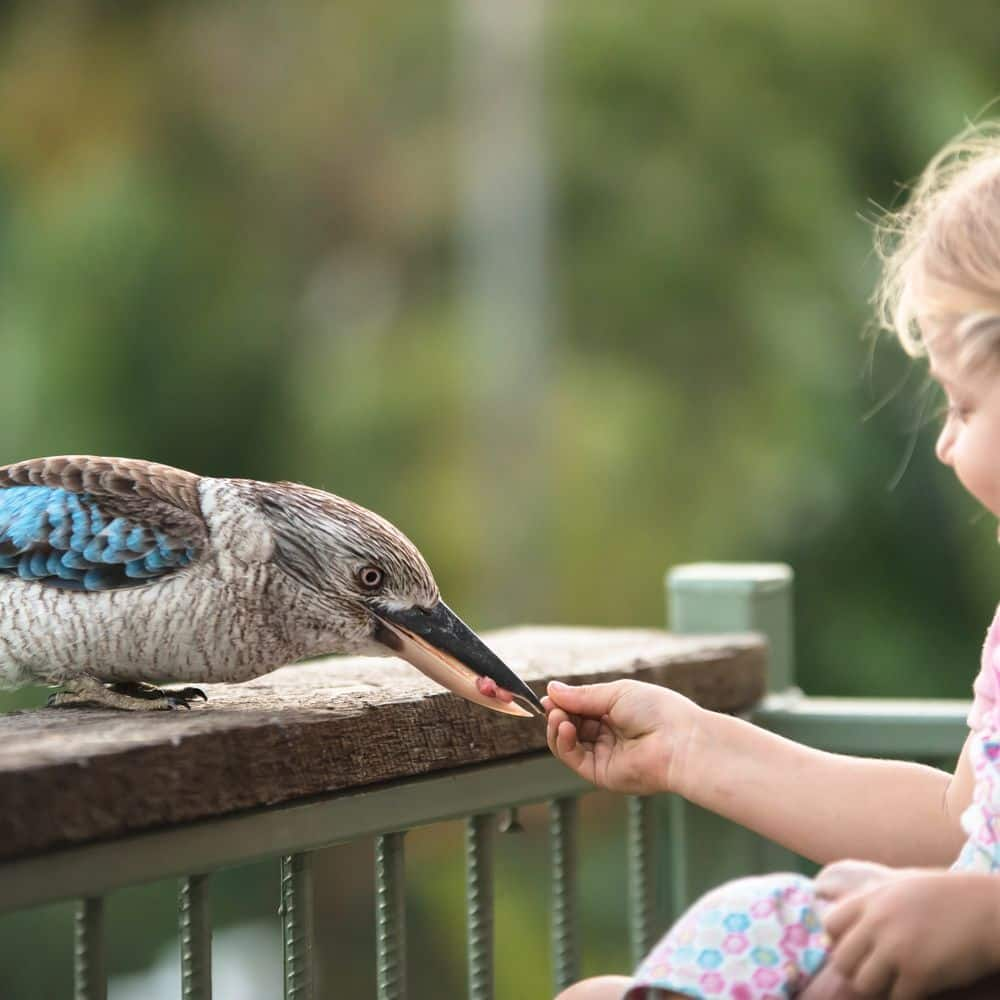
(641, 739)
(822, 805)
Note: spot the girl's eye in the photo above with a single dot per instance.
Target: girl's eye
(370, 577)
(952, 410)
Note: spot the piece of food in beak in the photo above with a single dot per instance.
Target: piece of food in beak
(439, 644)
(488, 687)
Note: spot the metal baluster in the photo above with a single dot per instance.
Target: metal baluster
(89, 974)
(297, 925)
(641, 875)
(479, 904)
(565, 950)
(196, 939)
(390, 916)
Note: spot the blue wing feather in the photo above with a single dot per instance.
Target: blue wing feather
(71, 540)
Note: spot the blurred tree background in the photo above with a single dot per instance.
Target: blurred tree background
(571, 294)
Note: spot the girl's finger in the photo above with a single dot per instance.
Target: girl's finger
(844, 877)
(874, 976)
(568, 748)
(850, 951)
(839, 917)
(911, 989)
(829, 984)
(556, 716)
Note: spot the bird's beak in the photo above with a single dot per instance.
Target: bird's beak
(438, 643)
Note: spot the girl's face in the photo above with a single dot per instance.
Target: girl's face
(970, 439)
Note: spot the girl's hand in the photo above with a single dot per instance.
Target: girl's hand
(626, 736)
(912, 936)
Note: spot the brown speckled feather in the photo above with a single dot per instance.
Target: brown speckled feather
(111, 477)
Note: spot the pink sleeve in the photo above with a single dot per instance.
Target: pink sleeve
(986, 687)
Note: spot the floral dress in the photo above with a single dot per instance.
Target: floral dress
(760, 938)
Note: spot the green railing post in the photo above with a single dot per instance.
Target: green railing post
(705, 599)
(709, 598)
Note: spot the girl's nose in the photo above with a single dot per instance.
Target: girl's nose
(944, 442)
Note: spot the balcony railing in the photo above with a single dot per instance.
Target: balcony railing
(328, 752)
(315, 755)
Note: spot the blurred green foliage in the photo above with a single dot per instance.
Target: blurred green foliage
(229, 241)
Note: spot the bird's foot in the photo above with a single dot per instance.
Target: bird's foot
(130, 696)
(175, 697)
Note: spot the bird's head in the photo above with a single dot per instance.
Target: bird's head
(381, 596)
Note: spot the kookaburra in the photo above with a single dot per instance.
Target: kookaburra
(119, 574)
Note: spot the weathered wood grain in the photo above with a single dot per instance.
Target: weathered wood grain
(69, 776)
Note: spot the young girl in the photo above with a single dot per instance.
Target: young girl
(872, 928)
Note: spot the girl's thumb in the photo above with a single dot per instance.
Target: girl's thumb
(582, 699)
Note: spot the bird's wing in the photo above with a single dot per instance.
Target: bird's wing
(86, 523)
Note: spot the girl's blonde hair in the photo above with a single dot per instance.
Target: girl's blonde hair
(941, 252)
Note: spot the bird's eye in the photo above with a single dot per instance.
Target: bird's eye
(371, 577)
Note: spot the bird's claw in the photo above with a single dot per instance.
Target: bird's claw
(183, 697)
